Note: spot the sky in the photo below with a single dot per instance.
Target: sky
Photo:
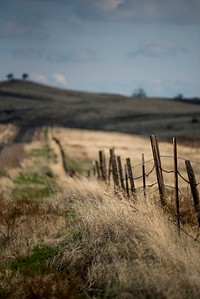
(111, 46)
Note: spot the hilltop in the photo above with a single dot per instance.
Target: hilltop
(25, 103)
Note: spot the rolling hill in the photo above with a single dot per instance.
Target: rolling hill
(25, 103)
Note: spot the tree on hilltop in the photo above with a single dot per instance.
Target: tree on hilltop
(10, 76)
(140, 93)
(25, 76)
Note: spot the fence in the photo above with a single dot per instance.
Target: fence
(111, 171)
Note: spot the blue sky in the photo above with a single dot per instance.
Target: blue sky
(112, 46)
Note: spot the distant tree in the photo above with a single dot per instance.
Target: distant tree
(140, 93)
(10, 76)
(25, 76)
(179, 96)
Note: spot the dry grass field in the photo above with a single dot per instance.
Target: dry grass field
(68, 235)
(63, 237)
(84, 145)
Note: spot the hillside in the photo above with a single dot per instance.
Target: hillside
(25, 103)
(74, 238)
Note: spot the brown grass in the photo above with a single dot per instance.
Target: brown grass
(85, 241)
(107, 247)
(83, 144)
(11, 156)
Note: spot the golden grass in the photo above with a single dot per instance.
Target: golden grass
(85, 241)
(11, 157)
(86, 144)
(7, 132)
(107, 247)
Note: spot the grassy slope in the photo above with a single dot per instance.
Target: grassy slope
(88, 243)
(34, 104)
(85, 241)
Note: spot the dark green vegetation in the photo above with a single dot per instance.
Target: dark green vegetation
(32, 185)
(34, 264)
(30, 104)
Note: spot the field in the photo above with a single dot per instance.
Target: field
(64, 233)
(30, 104)
(64, 237)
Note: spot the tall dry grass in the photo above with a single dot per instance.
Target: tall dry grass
(11, 156)
(105, 246)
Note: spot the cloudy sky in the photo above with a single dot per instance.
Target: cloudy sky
(113, 46)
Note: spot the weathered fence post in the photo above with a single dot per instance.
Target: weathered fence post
(120, 172)
(158, 167)
(143, 175)
(110, 168)
(126, 178)
(176, 183)
(193, 187)
(114, 168)
(130, 174)
(102, 165)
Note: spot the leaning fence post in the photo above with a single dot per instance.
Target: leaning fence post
(130, 174)
(176, 183)
(158, 167)
(193, 187)
(102, 164)
(119, 163)
(110, 167)
(126, 178)
(143, 175)
(114, 168)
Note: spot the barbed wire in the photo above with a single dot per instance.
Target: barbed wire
(182, 177)
(179, 158)
(181, 229)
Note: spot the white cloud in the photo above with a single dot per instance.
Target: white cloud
(107, 5)
(60, 78)
(145, 11)
(39, 78)
(158, 48)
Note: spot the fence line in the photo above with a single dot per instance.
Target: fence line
(123, 178)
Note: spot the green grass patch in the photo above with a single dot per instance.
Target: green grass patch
(78, 165)
(44, 152)
(36, 263)
(30, 192)
(31, 178)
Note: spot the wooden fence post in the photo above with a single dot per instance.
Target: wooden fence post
(130, 174)
(193, 187)
(158, 167)
(126, 178)
(114, 168)
(110, 168)
(102, 165)
(120, 172)
(143, 175)
(97, 169)
(176, 183)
